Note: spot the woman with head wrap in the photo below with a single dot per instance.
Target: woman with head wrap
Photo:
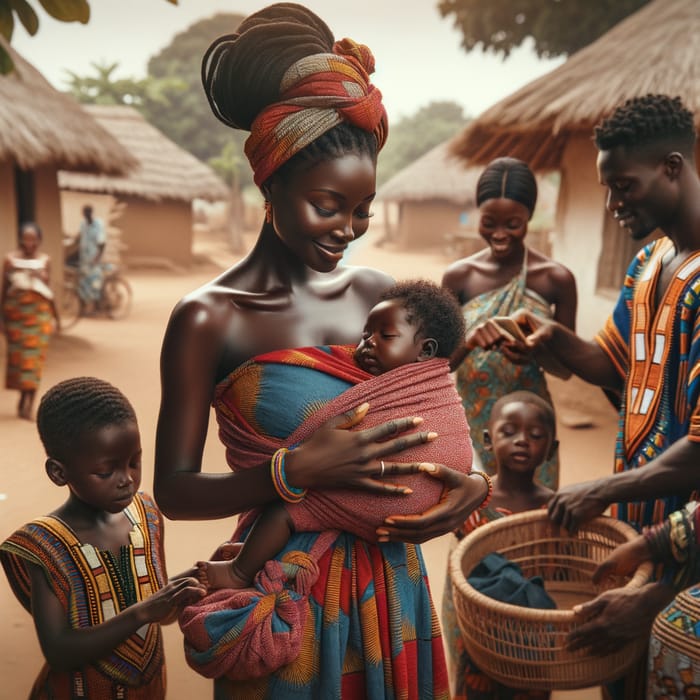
(366, 627)
(496, 282)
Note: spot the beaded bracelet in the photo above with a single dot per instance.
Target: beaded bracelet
(287, 493)
(489, 483)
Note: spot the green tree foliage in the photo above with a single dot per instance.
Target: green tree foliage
(185, 116)
(62, 10)
(104, 89)
(411, 137)
(558, 27)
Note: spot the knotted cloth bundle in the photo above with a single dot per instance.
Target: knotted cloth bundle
(317, 93)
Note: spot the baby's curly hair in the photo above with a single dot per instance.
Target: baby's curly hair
(651, 119)
(434, 311)
(74, 407)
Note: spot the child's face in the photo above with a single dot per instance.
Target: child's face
(388, 339)
(104, 472)
(521, 439)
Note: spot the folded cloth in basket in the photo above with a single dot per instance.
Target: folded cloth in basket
(501, 579)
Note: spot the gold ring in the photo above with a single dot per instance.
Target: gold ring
(381, 462)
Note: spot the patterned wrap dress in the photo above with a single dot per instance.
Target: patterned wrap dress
(486, 375)
(28, 315)
(369, 629)
(93, 586)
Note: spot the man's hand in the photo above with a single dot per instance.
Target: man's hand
(576, 504)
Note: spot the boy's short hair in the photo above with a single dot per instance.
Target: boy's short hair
(76, 406)
(528, 397)
(434, 310)
(646, 121)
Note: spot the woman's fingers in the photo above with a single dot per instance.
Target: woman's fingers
(396, 426)
(349, 418)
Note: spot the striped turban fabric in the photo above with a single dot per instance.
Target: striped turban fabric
(317, 93)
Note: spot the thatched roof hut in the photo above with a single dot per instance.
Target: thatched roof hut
(434, 203)
(156, 223)
(654, 50)
(549, 123)
(436, 175)
(164, 170)
(40, 125)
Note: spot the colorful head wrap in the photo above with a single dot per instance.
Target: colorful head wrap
(317, 93)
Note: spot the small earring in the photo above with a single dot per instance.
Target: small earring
(268, 211)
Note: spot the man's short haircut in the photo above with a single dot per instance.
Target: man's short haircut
(649, 121)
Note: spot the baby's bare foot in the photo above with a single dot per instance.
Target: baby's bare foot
(220, 574)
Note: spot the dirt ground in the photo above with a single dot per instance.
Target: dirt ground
(126, 353)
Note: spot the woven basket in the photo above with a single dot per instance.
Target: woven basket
(524, 647)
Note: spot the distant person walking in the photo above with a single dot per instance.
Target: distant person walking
(28, 312)
(92, 240)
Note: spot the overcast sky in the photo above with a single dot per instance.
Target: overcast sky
(418, 53)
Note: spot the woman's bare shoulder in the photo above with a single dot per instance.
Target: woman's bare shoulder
(459, 271)
(556, 271)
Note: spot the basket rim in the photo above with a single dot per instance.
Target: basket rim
(641, 576)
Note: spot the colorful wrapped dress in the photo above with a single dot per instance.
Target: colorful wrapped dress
(28, 315)
(334, 615)
(468, 681)
(486, 375)
(93, 586)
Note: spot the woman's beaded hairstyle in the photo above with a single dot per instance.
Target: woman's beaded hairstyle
(242, 74)
(509, 178)
(433, 310)
(75, 407)
(649, 121)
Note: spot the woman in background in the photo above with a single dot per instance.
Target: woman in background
(28, 313)
(498, 281)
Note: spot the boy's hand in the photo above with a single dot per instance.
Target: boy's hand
(164, 605)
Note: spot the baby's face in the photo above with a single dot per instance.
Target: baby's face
(388, 340)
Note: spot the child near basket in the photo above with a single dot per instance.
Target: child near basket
(521, 434)
(92, 572)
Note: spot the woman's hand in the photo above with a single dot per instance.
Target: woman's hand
(336, 457)
(462, 494)
(491, 335)
(617, 617)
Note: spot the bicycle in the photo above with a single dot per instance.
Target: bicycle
(114, 301)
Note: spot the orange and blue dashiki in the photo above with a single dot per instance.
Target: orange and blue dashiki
(371, 631)
(92, 587)
(656, 352)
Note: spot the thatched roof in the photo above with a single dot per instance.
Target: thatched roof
(39, 126)
(164, 171)
(657, 49)
(435, 175)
